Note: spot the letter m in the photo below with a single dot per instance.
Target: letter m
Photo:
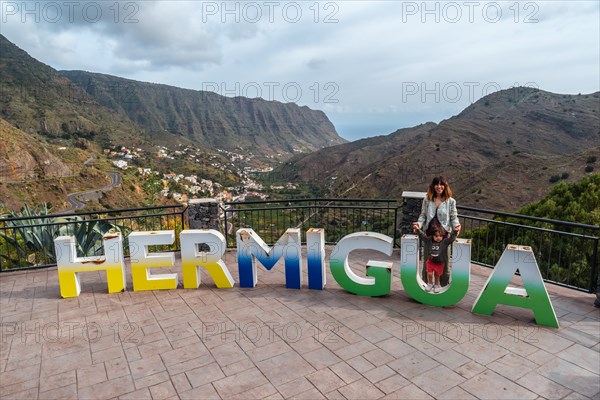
(251, 247)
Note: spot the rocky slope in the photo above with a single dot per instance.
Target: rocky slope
(216, 121)
(500, 152)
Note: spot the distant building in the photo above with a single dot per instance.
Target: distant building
(120, 164)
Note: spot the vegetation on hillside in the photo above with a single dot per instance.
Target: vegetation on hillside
(563, 253)
(578, 202)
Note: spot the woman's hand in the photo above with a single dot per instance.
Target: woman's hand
(457, 229)
(415, 226)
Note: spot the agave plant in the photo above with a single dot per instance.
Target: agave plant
(33, 237)
(88, 234)
(36, 232)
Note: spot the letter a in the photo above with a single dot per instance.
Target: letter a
(534, 296)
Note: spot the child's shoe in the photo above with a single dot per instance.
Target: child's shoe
(436, 288)
(429, 287)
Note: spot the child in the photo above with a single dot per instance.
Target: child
(436, 255)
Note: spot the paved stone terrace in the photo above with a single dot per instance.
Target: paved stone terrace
(272, 342)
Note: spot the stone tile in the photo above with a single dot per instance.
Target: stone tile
(284, 368)
(456, 393)
(550, 341)
(237, 367)
(321, 358)
(373, 334)
(58, 381)
(228, 353)
(18, 376)
(490, 385)
(10, 388)
(354, 349)
(438, 380)
(360, 364)
(334, 395)
(413, 365)
(361, 389)
(259, 392)
(590, 326)
(380, 373)
(68, 392)
(378, 357)
(409, 392)
(469, 369)
(325, 380)
(268, 351)
(181, 383)
(395, 347)
(107, 354)
(451, 359)
(189, 365)
(239, 383)
(177, 356)
(392, 384)
(541, 357)
(206, 392)
(146, 366)
(157, 347)
(107, 389)
(571, 376)
(346, 372)
(91, 375)
(275, 396)
(295, 387)
(522, 345)
(57, 365)
(116, 368)
(151, 380)
(512, 366)
(163, 390)
(543, 386)
(141, 394)
(204, 375)
(481, 351)
(578, 336)
(583, 357)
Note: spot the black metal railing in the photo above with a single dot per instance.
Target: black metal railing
(338, 217)
(566, 252)
(28, 242)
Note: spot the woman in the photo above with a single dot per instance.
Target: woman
(438, 210)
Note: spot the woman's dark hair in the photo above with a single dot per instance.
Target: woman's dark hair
(431, 190)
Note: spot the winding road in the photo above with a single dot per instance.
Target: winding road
(76, 204)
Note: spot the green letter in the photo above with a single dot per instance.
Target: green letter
(413, 284)
(534, 296)
(380, 281)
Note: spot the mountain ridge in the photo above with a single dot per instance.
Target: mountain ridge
(517, 138)
(41, 100)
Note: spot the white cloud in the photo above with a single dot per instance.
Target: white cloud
(348, 58)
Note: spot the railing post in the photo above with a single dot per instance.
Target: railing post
(203, 214)
(595, 271)
(411, 209)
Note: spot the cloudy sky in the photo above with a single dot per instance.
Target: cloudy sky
(372, 66)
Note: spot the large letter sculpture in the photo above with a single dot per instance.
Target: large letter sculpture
(315, 258)
(379, 281)
(192, 259)
(250, 247)
(534, 296)
(142, 260)
(413, 284)
(69, 265)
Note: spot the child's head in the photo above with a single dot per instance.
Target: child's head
(438, 234)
